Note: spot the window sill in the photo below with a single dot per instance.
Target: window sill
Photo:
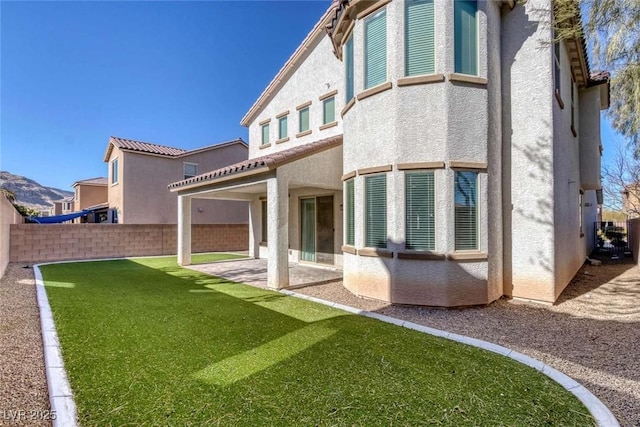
(421, 255)
(267, 145)
(329, 125)
(467, 78)
(263, 244)
(559, 99)
(347, 107)
(374, 91)
(574, 131)
(375, 252)
(281, 140)
(349, 249)
(467, 256)
(303, 133)
(113, 184)
(421, 80)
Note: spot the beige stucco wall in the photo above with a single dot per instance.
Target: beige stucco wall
(8, 216)
(115, 195)
(90, 195)
(319, 74)
(142, 195)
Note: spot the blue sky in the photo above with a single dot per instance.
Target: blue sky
(175, 73)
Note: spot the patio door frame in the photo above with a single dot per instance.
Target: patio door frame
(316, 233)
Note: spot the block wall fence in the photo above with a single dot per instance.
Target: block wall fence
(61, 242)
(8, 215)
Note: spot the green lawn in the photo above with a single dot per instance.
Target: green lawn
(148, 343)
(212, 257)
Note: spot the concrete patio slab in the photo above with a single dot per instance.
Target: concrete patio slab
(254, 272)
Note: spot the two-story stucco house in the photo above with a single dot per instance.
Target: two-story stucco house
(139, 172)
(442, 153)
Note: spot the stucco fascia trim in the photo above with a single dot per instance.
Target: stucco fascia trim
(420, 165)
(421, 255)
(467, 256)
(421, 80)
(349, 249)
(374, 91)
(368, 11)
(465, 78)
(375, 252)
(328, 95)
(375, 169)
(329, 125)
(349, 175)
(347, 107)
(467, 165)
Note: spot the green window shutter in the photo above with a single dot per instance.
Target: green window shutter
(304, 119)
(349, 191)
(375, 45)
(263, 206)
(282, 127)
(466, 37)
(265, 134)
(419, 37)
(329, 110)
(466, 210)
(348, 63)
(376, 211)
(420, 211)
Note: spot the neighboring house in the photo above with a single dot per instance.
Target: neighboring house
(441, 153)
(90, 192)
(139, 173)
(631, 200)
(62, 206)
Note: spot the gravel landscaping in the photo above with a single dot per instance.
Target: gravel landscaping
(591, 334)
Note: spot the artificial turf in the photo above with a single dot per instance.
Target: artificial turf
(148, 343)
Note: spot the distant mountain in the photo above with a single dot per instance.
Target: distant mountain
(29, 193)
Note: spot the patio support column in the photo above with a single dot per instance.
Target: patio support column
(184, 230)
(278, 232)
(255, 228)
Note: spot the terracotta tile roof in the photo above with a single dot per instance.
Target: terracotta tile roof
(160, 150)
(263, 163)
(145, 147)
(599, 76)
(92, 181)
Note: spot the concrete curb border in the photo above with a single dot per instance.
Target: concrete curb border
(603, 416)
(61, 396)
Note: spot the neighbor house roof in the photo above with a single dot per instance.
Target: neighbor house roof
(91, 181)
(159, 150)
(259, 164)
(292, 64)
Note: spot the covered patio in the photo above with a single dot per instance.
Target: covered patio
(295, 206)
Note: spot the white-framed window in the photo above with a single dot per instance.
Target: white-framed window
(190, 170)
(420, 210)
(283, 127)
(466, 210)
(375, 49)
(419, 33)
(66, 206)
(329, 110)
(375, 212)
(114, 171)
(303, 120)
(265, 134)
(349, 212)
(465, 21)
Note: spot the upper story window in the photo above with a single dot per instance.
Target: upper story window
(190, 170)
(66, 206)
(375, 223)
(420, 210)
(466, 210)
(283, 127)
(419, 37)
(349, 212)
(114, 171)
(375, 49)
(348, 65)
(328, 110)
(303, 120)
(265, 134)
(466, 36)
